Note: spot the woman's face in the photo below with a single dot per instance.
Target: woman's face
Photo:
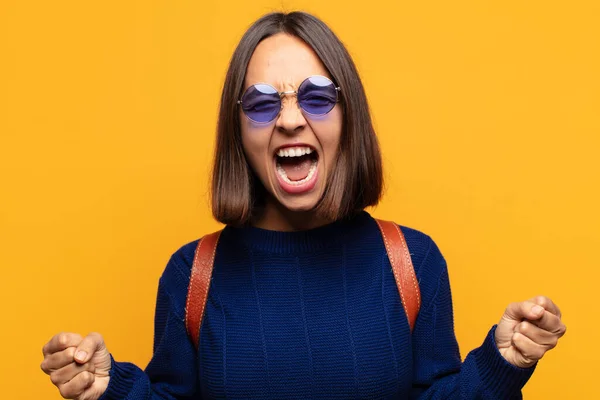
(294, 154)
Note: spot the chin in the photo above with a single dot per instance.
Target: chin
(299, 205)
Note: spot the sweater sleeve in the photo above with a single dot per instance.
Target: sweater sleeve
(172, 371)
(438, 371)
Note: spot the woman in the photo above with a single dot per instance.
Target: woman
(302, 301)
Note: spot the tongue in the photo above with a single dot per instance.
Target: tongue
(296, 168)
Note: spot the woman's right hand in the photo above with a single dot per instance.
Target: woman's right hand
(78, 366)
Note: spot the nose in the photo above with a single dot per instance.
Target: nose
(290, 119)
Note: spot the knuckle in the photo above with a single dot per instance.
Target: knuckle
(76, 338)
(532, 353)
(44, 367)
(62, 338)
(70, 352)
(518, 339)
(55, 378)
(65, 391)
(88, 377)
(526, 353)
(563, 330)
(539, 353)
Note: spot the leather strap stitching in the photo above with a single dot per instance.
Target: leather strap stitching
(409, 262)
(193, 277)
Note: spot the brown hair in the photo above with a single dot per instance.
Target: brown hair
(356, 181)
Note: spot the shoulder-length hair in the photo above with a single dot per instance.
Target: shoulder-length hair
(354, 183)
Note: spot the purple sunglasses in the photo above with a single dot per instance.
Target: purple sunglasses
(317, 95)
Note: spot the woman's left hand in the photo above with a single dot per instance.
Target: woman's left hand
(528, 330)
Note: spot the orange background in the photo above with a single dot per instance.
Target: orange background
(487, 112)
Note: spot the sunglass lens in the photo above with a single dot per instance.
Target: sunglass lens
(261, 103)
(317, 95)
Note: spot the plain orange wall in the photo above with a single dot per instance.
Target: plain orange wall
(487, 112)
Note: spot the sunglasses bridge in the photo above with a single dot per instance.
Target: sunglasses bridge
(281, 94)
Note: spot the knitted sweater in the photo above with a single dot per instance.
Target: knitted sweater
(313, 314)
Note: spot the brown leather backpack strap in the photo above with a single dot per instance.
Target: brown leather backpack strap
(404, 272)
(202, 268)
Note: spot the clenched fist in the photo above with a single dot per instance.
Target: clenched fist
(528, 330)
(78, 367)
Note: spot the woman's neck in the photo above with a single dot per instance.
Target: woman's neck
(276, 217)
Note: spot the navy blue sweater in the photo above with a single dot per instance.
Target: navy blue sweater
(313, 315)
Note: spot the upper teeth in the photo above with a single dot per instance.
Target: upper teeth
(294, 151)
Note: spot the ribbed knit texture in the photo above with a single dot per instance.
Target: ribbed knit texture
(313, 315)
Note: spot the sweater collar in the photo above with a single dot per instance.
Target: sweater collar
(300, 241)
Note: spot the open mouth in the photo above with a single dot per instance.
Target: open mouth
(296, 168)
